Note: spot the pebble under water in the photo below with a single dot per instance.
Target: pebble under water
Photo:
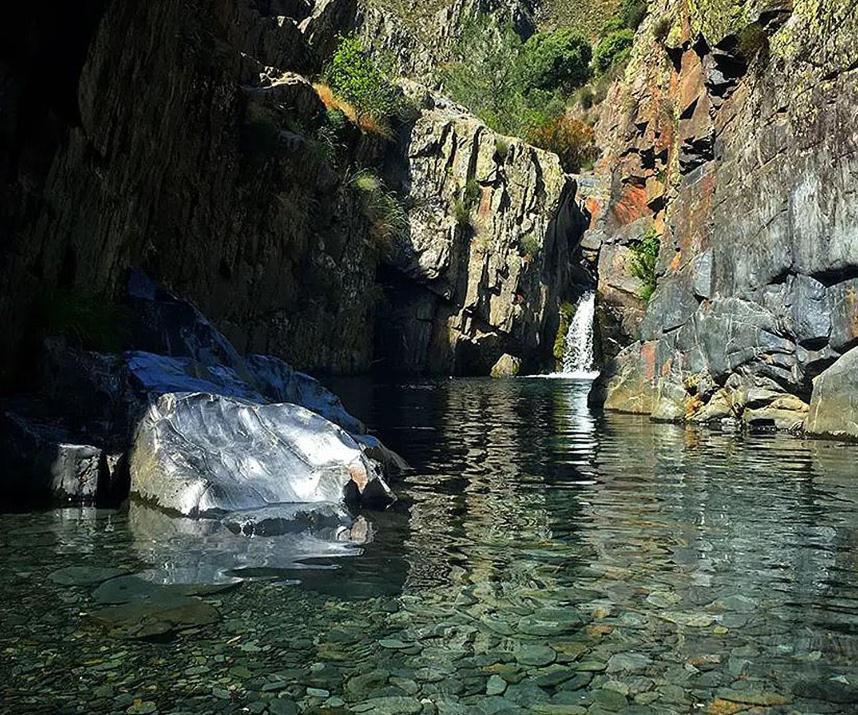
(540, 559)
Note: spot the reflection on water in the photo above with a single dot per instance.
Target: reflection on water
(540, 559)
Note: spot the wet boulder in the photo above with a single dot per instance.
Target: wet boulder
(280, 383)
(197, 453)
(834, 402)
(43, 461)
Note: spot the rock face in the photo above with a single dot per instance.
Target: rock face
(186, 146)
(739, 151)
(45, 461)
(185, 139)
(196, 453)
(421, 35)
(493, 227)
(834, 405)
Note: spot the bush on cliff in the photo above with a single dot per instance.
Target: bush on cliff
(382, 207)
(645, 261)
(515, 86)
(360, 87)
(613, 49)
(556, 60)
(570, 138)
(632, 13)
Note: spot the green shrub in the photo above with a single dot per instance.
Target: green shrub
(752, 42)
(612, 25)
(381, 207)
(354, 76)
(633, 12)
(645, 261)
(530, 245)
(661, 28)
(613, 49)
(462, 213)
(571, 139)
(586, 97)
(471, 193)
(464, 204)
(556, 60)
(510, 85)
(501, 148)
(484, 75)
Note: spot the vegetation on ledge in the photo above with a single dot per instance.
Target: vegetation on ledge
(362, 88)
(645, 261)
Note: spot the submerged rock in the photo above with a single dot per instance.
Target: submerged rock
(197, 453)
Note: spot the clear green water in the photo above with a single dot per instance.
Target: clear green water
(561, 562)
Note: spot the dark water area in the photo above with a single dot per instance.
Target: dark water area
(541, 558)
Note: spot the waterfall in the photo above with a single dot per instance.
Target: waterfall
(578, 360)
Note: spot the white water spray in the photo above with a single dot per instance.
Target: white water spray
(578, 359)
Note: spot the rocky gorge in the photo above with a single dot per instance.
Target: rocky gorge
(429, 356)
(727, 139)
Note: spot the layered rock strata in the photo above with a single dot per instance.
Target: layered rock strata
(734, 139)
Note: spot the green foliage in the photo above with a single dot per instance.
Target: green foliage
(633, 12)
(485, 76)
(587, 15)
(354, 76)
(613, 49)
(382, 207)
(661, 28)
(464, 204)
(87, 321)
(461, 213)
(531, 245)
(501, 148)
(645, 261)
(514, 86)
(556, 60)
(752, 42)
(471, 193)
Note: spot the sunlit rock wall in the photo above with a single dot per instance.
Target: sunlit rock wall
(734, 137)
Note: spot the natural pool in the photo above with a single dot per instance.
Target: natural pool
(540, 559)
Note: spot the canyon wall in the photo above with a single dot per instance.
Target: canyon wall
(733, 137)
(182, 137)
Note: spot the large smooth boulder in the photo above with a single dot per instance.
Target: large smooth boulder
(834, 402)
(628, 382)
(280, 383)
(197, 453)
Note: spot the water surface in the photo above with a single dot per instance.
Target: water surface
(540, 559)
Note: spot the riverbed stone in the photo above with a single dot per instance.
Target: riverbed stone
(495, 685)
(390, 705)
(628, 662)
(84, 575)
(537, 655)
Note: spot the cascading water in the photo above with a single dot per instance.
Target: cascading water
(578, 359)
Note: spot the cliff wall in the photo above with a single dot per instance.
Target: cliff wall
(733, 138)
(182, 137)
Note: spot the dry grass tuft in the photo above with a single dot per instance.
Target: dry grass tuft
(365, 122)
